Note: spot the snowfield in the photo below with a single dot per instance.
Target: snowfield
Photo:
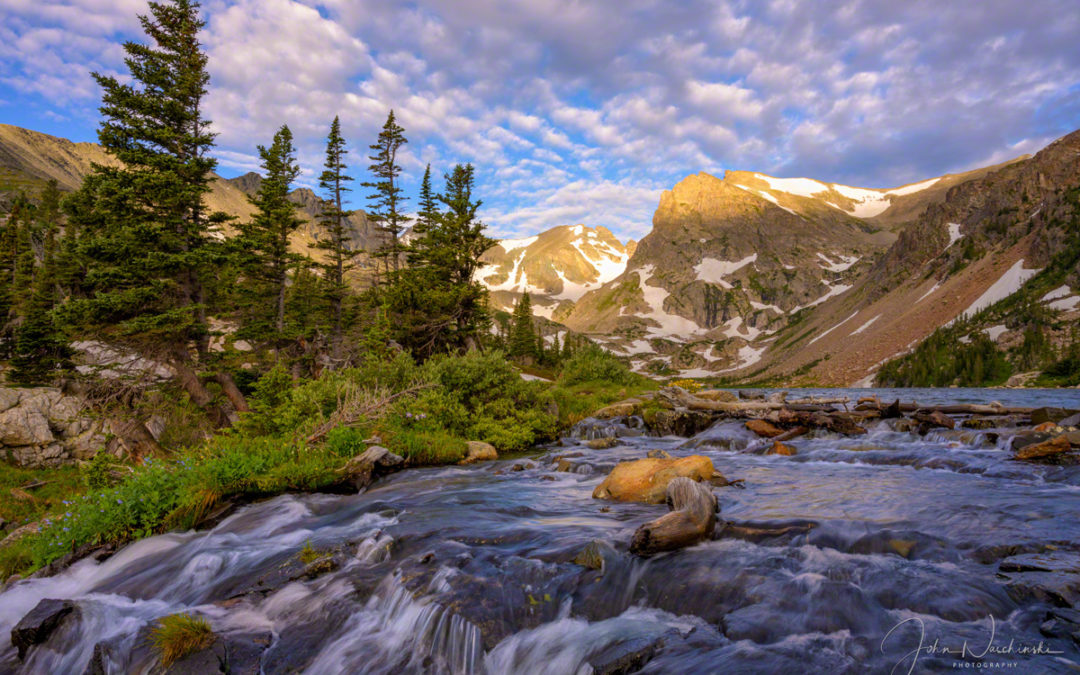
(713, 271)
(1009, 283)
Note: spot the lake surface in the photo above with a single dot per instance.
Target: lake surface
(841, 559)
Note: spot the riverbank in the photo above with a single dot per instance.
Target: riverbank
(478, 568)
(298, 438)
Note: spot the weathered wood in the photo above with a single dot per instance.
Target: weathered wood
(692, 518)
(994, 408)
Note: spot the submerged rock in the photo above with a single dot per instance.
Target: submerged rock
(41, 622)
(779, 448)
(646, 480)
(479, 451)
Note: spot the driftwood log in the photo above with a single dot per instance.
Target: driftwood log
(952, 409)
(691, 519)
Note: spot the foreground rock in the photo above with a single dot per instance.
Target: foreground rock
(1046, 449)
(40, 623)
(479, 451)
(692, 519)
(376, 461)
(646, 480)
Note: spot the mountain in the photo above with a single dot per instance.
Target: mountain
(988, 239)
(29, 159)
(556, 267)
(734, 268)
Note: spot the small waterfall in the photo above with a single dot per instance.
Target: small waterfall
(396, 631)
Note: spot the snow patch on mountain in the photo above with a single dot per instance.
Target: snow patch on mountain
(512, 244)
(866, 325)
(713, 271)
(844, 263)
(654, 296)
(1009, 283)
(954, 234)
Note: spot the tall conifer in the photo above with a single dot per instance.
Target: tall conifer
(333, 183)
(387, 201)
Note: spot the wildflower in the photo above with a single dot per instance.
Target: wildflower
(119, 501)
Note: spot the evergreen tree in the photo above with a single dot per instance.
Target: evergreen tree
(522, 335)
(142, 221)
(265, 240)
(333, 183)
(428, 214)
(40, 348)
(438, 304)
(387, 200)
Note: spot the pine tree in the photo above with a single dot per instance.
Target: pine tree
(266, 240)
(143, 226)
(428, 214)
(438, 304)
(339, 255)
(40, 348)
(387, 200)
(522, 335)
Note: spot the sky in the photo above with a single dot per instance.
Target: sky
(579, 111)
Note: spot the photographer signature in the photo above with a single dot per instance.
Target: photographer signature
(964, 651)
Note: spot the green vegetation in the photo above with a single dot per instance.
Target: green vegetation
(134, 260)
(178, 635)
(962, 354)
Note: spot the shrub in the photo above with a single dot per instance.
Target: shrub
(593, 364)
(177, 635)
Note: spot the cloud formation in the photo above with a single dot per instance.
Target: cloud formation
(584, 111)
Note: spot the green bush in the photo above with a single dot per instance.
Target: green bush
(593, 364)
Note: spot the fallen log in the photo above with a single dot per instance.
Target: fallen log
(692, 519)
(950, 409)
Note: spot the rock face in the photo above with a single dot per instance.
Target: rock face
(44, 427)
(646, 480)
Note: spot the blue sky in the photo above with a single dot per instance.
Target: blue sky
(577, 111)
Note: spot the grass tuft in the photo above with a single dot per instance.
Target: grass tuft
(179, 635)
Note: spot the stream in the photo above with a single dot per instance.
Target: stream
(850, 556)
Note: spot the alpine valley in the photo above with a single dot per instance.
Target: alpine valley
(751, 278)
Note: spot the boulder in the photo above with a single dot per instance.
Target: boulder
(1055, 415)
(763, 428)
(42, 426)
(602, 443)
(479, 451)
(1054, 446)
(1070, 421)
(646, 480)
(934, 419)
(376, 461)
(620, 409)
(779, 448)
(691, 519)
(680, 422)
(40, 623)
(1047, 426)
(658, 454)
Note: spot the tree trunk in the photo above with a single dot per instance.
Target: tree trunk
(692, 518)
(228, 385)
(194, 387)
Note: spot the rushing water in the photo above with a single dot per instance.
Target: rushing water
(837, 560)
